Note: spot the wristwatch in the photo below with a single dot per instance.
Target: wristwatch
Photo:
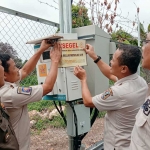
(99, 58)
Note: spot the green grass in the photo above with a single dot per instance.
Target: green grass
(41, 105)
(101, 114)
(56, 122)
(42, 124)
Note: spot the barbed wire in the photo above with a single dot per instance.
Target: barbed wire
(49, 4)
(55, 2)
(109, 10)
(111, 22)
(103, 15)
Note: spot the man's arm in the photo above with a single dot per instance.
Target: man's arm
(86, 95)
(31, 63)
(21, 96)
(55, 55)
(104, 68)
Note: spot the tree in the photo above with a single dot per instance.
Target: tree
(104, 14)
(18, 62)
(124, 37)
(80, 16)
(143, 31)
(8, 49)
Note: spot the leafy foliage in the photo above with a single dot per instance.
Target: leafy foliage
(80, 16)
(124, 37)
(6, 48)
(143, 31)
(30, 80)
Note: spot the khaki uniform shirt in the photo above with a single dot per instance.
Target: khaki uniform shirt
(15, 100)
(122, 102)
(140, 137)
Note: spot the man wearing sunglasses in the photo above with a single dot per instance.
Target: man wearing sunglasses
(140, 137)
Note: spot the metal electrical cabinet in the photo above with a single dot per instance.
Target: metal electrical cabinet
(83, 117)
(67, 86)
(100, 40)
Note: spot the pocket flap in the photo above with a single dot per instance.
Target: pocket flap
(140, 118)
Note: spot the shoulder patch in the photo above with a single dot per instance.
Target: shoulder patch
(146, 107)
(107, 93)
(24, 90)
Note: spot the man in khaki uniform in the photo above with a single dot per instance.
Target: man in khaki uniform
(15, 98)
(140, 137)
(121, 101)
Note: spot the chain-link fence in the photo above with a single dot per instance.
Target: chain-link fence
(48, 130)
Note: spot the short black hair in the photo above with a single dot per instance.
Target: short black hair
(6, 52)
(5, 58)
(131, 57)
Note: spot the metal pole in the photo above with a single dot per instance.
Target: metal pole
(71, 143)
(67, 16)
(70, 15)
(67, 28)
(61, 18)
(139, 39)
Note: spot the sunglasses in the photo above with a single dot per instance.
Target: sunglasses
(145, 41)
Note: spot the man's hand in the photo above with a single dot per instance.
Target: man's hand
(56, 53)
(44, 45)
(90, 51)
(80, 73)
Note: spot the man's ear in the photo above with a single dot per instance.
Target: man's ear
(5, 75)
(124, 69)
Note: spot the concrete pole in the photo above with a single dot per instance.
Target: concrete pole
(65, 20)
(139, 39)
(67, 13)
(61, 18)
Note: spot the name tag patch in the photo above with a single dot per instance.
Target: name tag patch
(24, 90)
(107, 93)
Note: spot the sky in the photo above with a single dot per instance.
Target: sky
(129, 6)
(35, 8)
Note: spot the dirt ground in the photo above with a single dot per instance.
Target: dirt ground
(57, 138)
